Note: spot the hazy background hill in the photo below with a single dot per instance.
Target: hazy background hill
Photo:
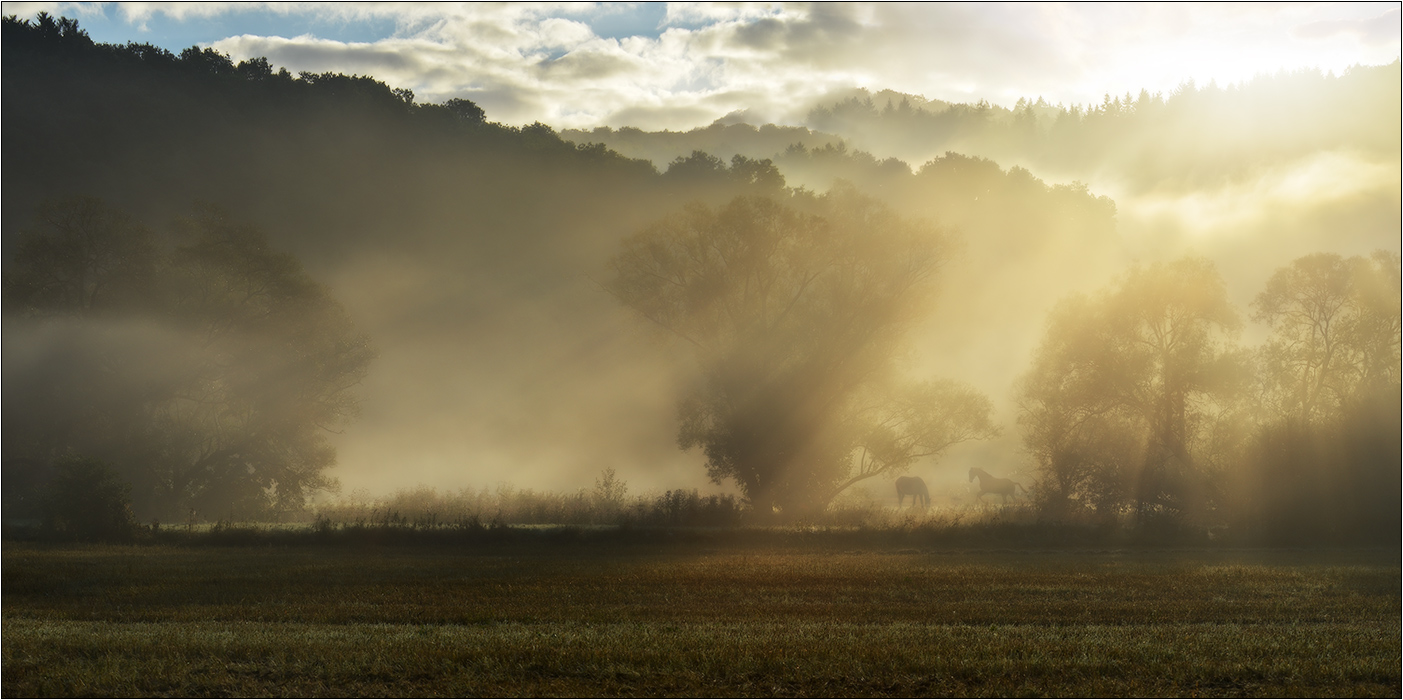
(467, 251)
(1251, 175)
(1307, 157)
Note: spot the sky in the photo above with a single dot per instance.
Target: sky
(683, 65)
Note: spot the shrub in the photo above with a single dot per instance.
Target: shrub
(88, 501)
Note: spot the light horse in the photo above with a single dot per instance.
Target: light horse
(914, 487)
(1007, 488)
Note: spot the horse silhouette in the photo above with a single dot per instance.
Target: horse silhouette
(1007, 488)
(914, 487)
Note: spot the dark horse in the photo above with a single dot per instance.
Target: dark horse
(914, 487)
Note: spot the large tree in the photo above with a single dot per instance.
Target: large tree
(1125, 386)
(1335, 332)
(796, 318)
(1324, 461)
(204, 367)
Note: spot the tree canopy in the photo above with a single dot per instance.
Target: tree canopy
(796, 318)
(203, 367)
(1138, 401)
(1335, 332)
(1123, 386)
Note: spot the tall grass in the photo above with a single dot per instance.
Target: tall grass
(608, 504)
(428, 508)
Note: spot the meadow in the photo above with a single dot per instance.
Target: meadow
(692, 613)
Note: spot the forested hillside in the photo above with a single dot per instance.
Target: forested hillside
(1302, 159)
(1195, 133)
(234, 287)
(464, 250)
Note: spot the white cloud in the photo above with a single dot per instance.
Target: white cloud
(57, 9)
(694, 13)
(140, 12)
(541, 61)
(1382, 29)
(1242, 207)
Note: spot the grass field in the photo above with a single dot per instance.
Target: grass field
(696, 617)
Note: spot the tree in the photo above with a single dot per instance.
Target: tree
(795, 319)
(466, 110)
(899, 425)
(1124, 385)
(1073, 420)
(87, 501)
(86, 258)
(1324, 463)
(608, 495)
(205, 369)
(1335, 331)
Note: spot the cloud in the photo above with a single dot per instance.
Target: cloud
(57, 9)
(543, 61)
(140, 12)
(598, 62)
(1381, 30)
(1240, 208)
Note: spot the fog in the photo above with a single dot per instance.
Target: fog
(481, 265)
(545, 392)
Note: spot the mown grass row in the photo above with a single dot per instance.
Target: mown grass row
(544, 617)
(763, 658)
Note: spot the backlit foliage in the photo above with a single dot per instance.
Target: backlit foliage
(795, 319)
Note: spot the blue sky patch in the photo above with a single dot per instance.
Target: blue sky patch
(626, 19)
(176, 34)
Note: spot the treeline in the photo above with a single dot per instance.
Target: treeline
(186, 351)
(152, 131)
(724, 140)
(1194, 134)
(196, 354)
(328, 160)
(1141, 408)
